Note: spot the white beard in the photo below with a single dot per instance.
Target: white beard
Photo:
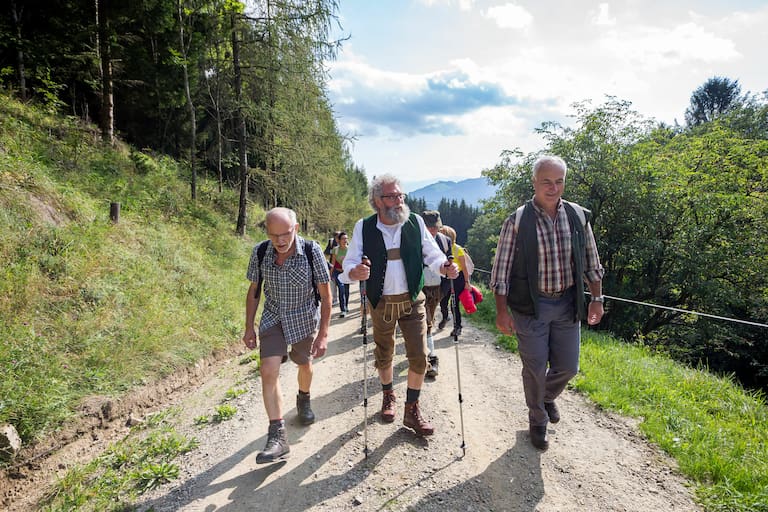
(398, 214)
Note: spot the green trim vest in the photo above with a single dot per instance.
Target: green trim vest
(523, 290)
(410, 252)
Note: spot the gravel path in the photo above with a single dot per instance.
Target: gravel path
(596, 462)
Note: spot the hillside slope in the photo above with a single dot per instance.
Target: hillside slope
(89, 307)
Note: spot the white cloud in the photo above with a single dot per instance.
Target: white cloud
(654, 48)
(654, 55)
(510, 16)
(464, 5)
(603, 16)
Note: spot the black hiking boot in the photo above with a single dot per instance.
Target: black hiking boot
(277, 445)
(432, 367)
(306, 416)
(554, 414)
(539, 437)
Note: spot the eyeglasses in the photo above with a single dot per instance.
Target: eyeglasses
(282, 236)
(393, 197)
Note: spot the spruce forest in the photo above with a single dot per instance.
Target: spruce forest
(238, 95)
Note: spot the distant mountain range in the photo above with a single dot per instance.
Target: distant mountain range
(471, 190)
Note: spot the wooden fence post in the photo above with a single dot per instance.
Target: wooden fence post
(114, 212)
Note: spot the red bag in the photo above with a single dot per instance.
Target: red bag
(466, 299)
(476, 294)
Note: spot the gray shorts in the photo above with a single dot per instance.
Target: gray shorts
(272, 344)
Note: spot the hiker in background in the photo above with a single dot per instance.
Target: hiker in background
(398, 246)
(433, 287)
(338, 254)
(459, 283)
(546, 251)
(294, 275)
(332, 242)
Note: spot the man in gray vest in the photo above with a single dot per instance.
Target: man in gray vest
(545, 254)
(398, 246)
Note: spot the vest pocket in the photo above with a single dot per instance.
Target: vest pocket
(519, 296)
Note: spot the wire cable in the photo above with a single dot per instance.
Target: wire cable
(670, 308)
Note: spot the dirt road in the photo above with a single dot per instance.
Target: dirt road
(596, 462)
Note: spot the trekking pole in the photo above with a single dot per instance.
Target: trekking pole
(458, 371)
(364, 300)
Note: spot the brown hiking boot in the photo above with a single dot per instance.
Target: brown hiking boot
(413, 419)
(388, 407)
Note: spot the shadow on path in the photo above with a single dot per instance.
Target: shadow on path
(511, 482)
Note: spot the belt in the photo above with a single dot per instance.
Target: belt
(555, 295)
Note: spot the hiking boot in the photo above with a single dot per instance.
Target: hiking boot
(432, 368)
(413, 419)
(306, 416)
(388, 407)
(277, 445)
(539, 437)
(554, 414)
(442, 323)
(456, 331)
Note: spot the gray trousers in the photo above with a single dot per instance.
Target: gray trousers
(549, 350)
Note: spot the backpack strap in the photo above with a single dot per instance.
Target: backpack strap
(582, 213)
(261, 250)
(310, 257)
(440, 239)
(518, 216)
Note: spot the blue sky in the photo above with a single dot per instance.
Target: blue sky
(437, 89)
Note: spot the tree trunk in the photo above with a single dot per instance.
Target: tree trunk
(242, 211)
(16, 13)
(190, 105)
(107, 118)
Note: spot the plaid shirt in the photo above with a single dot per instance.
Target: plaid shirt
(555, 261)
(288, 292)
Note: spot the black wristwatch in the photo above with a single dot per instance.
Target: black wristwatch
(598, 298)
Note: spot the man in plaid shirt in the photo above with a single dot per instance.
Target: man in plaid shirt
(290, 318)
(545, 254)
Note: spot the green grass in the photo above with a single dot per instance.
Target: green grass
(715, 430)
(127, 469)
(88, 307)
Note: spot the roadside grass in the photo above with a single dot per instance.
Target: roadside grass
(715, 429)
(89, 307)
(136, 464)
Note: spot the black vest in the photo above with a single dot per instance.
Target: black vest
(410, 252)
(523, 286)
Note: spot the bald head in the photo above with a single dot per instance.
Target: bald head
(281, 228)
(280, 213)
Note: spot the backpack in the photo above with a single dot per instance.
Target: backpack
(468, 261)
(262, 250)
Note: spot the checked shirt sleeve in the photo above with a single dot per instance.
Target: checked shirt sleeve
(505, 249)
